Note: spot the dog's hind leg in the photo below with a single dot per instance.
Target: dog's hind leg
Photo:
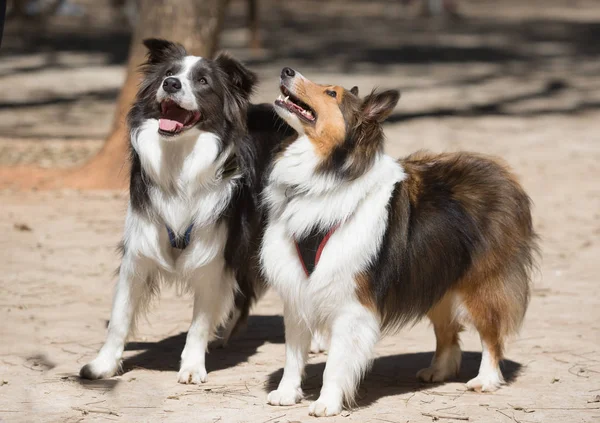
(495, 314)
(446, 360)
(134, 290)
(236, 321)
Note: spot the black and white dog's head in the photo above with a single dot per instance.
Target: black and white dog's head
(183, 92)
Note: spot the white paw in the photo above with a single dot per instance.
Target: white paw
(325, 408)
(485, 383)
(192, 374)
(283, 396)
(99, 368)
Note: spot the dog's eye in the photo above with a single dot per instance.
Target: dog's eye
(169, 73)
(331, 93)
(203, 81)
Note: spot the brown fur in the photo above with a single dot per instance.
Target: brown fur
(492, 289)
(493, 284)
(445, 325)
(364, 293)
(330, 128)
(459, 235)
(345, 126)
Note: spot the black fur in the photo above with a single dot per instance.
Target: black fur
(254, 130)
(451, 213)
(222, 100)
(418, 261)
(246, 218)
(364, 134)
(308, 247)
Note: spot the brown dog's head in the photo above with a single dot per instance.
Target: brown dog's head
(344, 129)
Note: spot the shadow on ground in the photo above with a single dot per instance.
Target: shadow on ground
(395, 375)
(390, 375)
(165, 355)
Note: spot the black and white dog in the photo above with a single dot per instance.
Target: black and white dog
(198, 150)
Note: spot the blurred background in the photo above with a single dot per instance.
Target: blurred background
(63, 63)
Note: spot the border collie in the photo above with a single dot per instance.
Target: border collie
(358, 244)
(198, 150)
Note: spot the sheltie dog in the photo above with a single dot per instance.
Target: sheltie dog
(358, 244)
(198, 150)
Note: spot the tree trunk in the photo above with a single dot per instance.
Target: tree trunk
(194, 23)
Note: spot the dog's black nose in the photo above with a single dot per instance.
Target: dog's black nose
(171, 85)
(287, 72)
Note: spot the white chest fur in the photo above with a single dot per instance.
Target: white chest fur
(186, 190)
(359, 206)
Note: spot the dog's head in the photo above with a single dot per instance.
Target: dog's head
(184, 91)
(345, 130)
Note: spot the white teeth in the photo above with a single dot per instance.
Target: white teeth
(307, 113)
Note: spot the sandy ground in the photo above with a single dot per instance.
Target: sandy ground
(538, 109)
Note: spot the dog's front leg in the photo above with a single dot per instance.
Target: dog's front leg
(213, 300)
(132, 293)
(354, 333)
(297, 343)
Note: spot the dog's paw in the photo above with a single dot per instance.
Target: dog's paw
(283, 396)
(485, 382)
(442, 368)
(432, 375)
(325, 407)
(436, 373)
(99, 368)
(192, 374)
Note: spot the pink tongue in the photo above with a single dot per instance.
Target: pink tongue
(169, 125)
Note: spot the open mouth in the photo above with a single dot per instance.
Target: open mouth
(175, 119)
(294, 105)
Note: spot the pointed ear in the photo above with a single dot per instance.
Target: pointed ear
(378, 106)
(242, 78)
(354, 90)
(160, 50)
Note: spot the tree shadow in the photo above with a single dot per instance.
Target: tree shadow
(98, 95)
(395, 375)
(497, 107)
(310, 37)
(165, 355)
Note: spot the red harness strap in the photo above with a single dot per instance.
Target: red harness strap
(311, 247)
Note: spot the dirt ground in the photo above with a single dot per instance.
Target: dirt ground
(520, 82)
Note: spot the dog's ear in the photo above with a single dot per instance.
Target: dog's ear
(161, 50)
(354, 90)
(377, 107)
(240, 77)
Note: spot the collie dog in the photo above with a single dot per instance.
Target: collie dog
(198, 150)
(358, 244)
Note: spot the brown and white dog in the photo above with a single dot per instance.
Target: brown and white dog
(358, 244)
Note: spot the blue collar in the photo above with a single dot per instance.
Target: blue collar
(180, 242)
